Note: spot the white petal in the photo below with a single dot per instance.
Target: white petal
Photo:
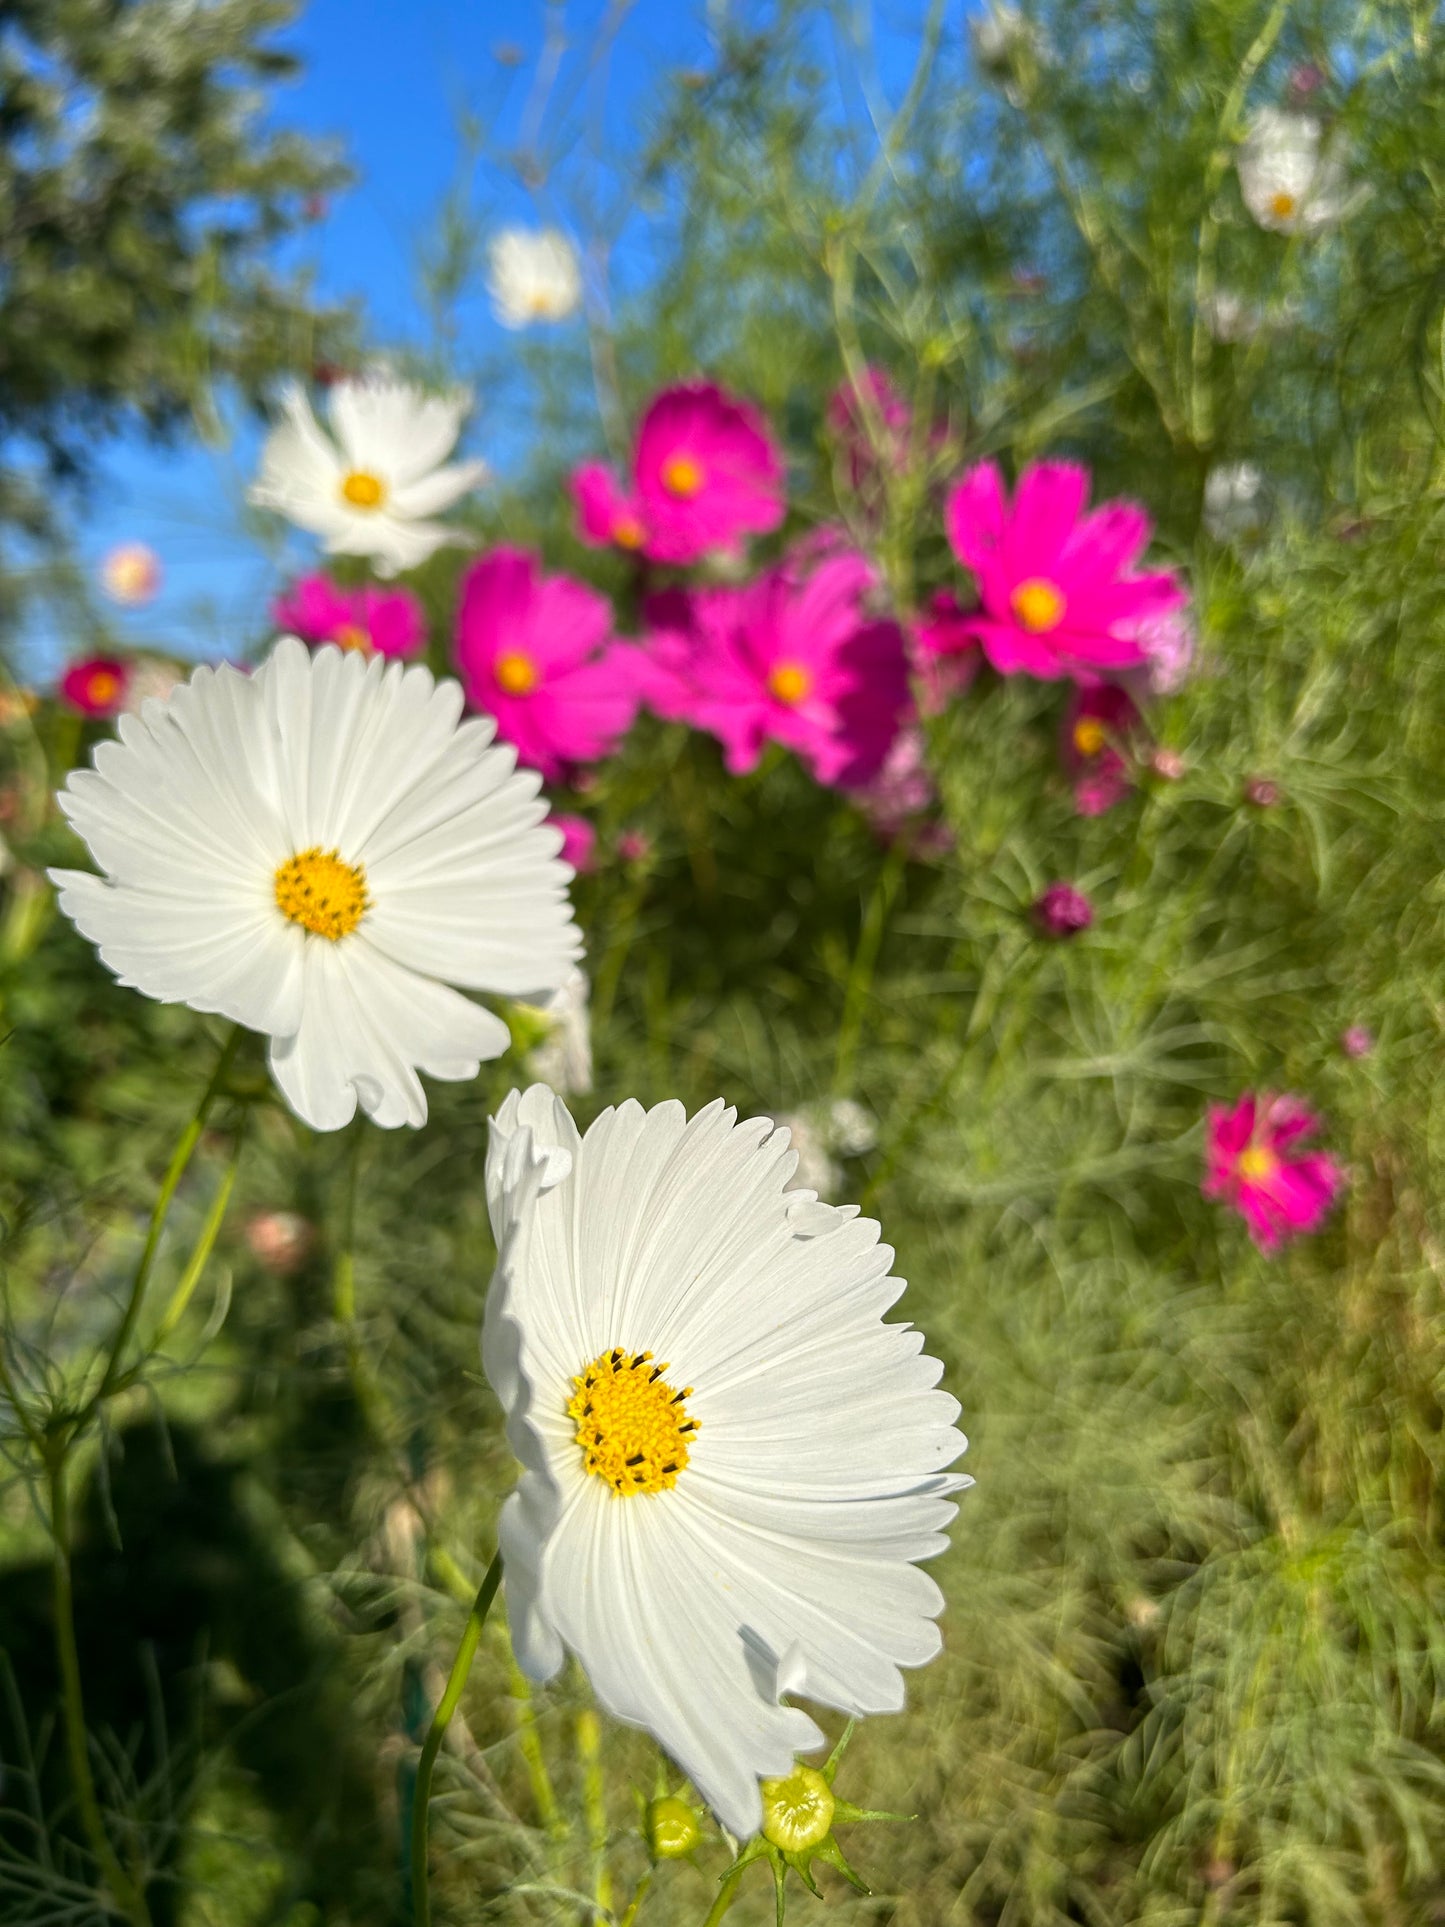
(394, 430)
(431, 493)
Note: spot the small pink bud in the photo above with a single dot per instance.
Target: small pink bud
(1168, 764)
(579, 840)
(280, 1240)
(1062, 911)
(1263, 793)
(1357, 1041)
(634, 846)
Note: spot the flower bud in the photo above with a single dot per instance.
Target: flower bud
(1263, 793)
(280, 1240)
(672, 1829)
(1357, 1041)
(1062, 911)
(797, 1810)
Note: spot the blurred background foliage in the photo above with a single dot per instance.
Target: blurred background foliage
(1194, 1649)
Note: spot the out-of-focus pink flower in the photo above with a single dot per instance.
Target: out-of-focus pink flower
(634, 846)
(282, 1241)
(705, 475)
(130, 573)
(1253, 1163)
(1167, 641)
(1357, 1041)
(792, 658)
(1063, 911)
(1168, 764)
(1098, 725)
(1262, 791)
(944, 652)
(97, 686)
(1305, 81)
(869, 422)
(381, 622)
(579, 841)
(902, 789)
(535, 651)
(1057, 585)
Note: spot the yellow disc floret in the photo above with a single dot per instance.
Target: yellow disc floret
(324, 895)
(632, 1425)
(797, 1810)
(1038, 605)
(516, 674)
(682, 476)
(1282, 205)
(1090, 736)
(790, 682)
(363, 489)
(1257, 1163)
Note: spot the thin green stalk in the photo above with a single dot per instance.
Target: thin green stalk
(441, 1720)
(369, 1396)
(201, 1255)
(175, 1171)
(126, 1891)
(594, 1805)
(528, 1738)
(639, 1894)
(727, 1894)
(865, 963)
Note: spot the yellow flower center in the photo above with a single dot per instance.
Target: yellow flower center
(1038, 605)
(353, 638)
(682, 476)
(797, 1810)
(321, 893)
(1282, 205)
(364, 490)
(672, 1828)
(103, 686)
(628, 532)
(516, 673)
(1256, 1163)
(632, 1426)
(1089, 736)
(790, 682)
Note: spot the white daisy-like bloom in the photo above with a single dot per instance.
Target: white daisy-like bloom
(1291, 183)
(320, 851)
(1229, 317)
(1233, 501)
(564, 1057)
(371, 489)
(852, 1129)
(730, 1463)
(532, 276)
(815, 1170)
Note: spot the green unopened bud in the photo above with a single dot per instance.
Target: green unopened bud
(672, 1829)
(797, 1810)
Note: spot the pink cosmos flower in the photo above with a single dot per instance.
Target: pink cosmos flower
(634, 846)
(902, 789)
(579, 841)
(1063, 911)
(535, 652)
(1168, 644)
(1057, 585)
(793, 658)
(1252, 1163)
(1357, 1041)
(944, 653)
(705, 475)
(1098, 724)
(381, 622)
(97, 686)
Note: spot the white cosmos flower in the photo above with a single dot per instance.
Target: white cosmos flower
(370, 490)
(1291, 184)
(564, 1057)
(533, 276)
(1233, 501)
(730, 1462)
(319, 851)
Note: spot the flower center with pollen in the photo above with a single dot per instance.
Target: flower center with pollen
(321, 893)
(103, 686)
(1256, 1163)
(1282, 205)
(790, 682)
(632, 1425)
(682, 476)
(363, 489)
(353, 639)
(628, 532)
(1089, 736)
(516, 674)
(797, 1810)
(1038, 605)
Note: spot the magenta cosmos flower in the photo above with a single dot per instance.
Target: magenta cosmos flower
(705, 475)
(97, 686)
(1100, 726)
(1058, 590)
(536, 652)
(1253, 1162)
(374, 622)
(944, 650)
(792, 658)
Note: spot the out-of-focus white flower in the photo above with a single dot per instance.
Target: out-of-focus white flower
(1168, 643)
(564, 1057)
(151, 677)
(998, 35)
(1291, 183)
(1233, 501)
(852, 1131)
(370, 491)
(130, 573)
(533, 276)
(1228, 316)
(731, 1464)
(816, 1170)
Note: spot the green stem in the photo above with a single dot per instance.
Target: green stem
(528, 1738)
(175, 1171)
(127, 1892)
(865, 963)
(594, 1806)
(727, 1894)
(639, 1894)
(201, 1255)
(441, 1720)
(370, 1399)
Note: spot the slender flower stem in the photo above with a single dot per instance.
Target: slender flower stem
(639, 1894)
(127, 1892)
(441, 1720)
(201, 1255)
(594, 1806)
(727, 1894)
(175, 1171)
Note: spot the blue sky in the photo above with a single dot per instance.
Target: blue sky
(389, 79)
